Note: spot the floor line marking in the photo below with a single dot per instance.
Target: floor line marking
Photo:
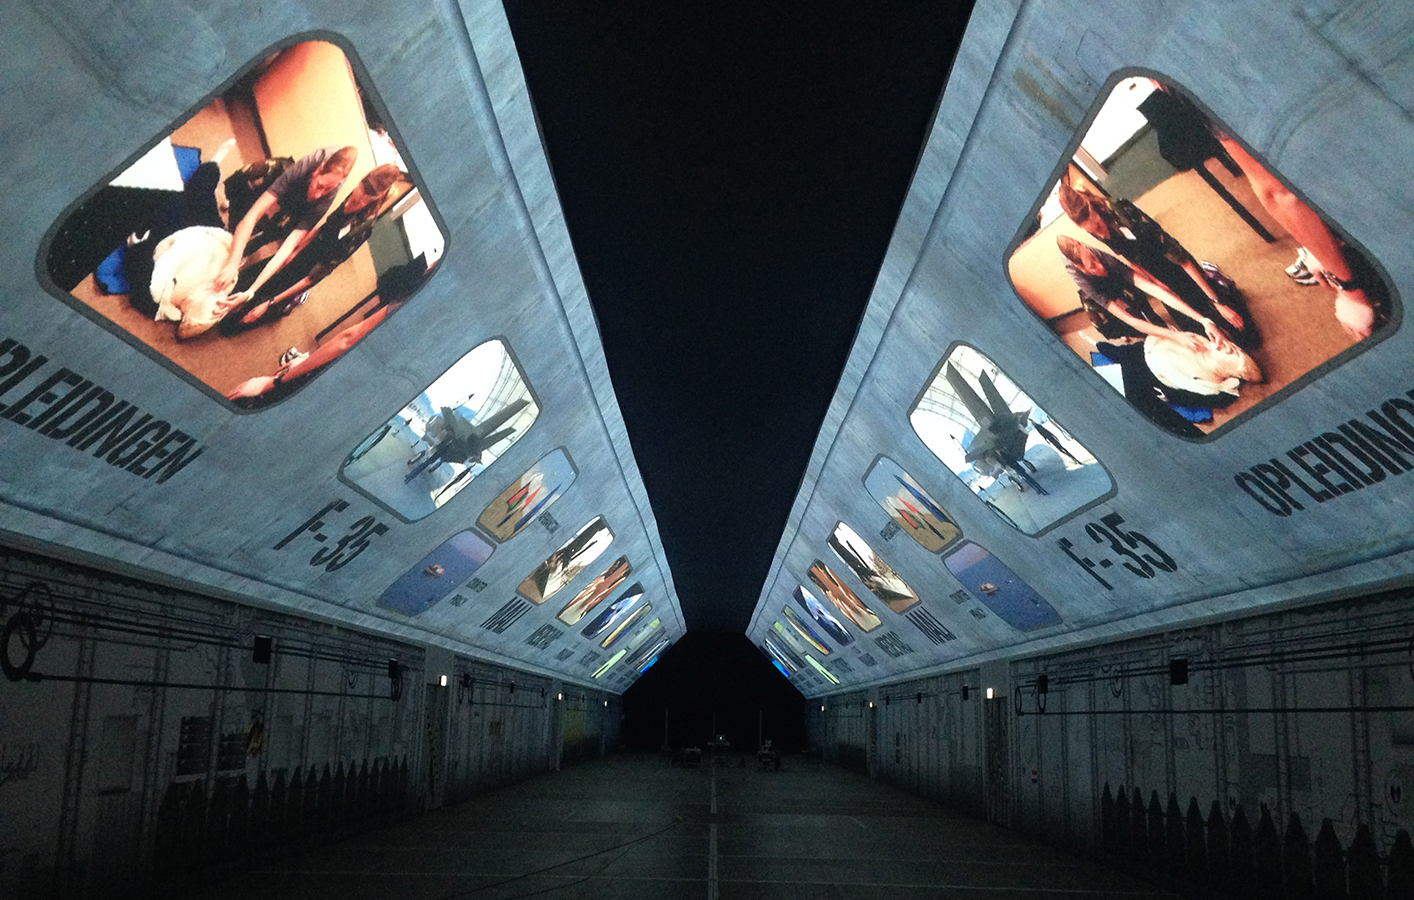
(712, 864)
(712, 846)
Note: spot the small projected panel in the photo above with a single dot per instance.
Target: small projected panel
(596, 591)
(627, 622)
(611, 614)
(259, 238)
(909, 506)
(446, 436)
(437, 574)
(881, 580)
(844, 599)
(822, 616)
(560, 568)
(528, 496)
(1007, 450)
(1186, 273)
(1001, 590)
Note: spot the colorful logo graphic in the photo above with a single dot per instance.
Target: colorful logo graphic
(528, 496)
(909, 506)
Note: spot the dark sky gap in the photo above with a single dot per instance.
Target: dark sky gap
(730, 175)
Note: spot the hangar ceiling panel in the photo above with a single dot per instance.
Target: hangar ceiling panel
(1135, 357)
(291, 316)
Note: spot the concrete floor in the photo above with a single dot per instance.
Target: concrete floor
(630, 827)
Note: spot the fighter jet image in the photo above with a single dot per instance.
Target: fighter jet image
(1000, 432)
(455, 439)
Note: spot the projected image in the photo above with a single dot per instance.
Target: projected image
(999, 588)
(845, 600)
(261, 238)
(909, 506)
(560, 568)
(436, 575)
(782, 654)
(1182, 269)
(628, 622)
(792, 639)
(528, 496)
(605, 620)
(609, 663)
(648, 654)
(641, 635)
(824, 672)
(822, 616)
(1005, 448)
(433, 447)
(882, 581)
(808, 634)
(596, 591)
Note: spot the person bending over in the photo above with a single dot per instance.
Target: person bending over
(343, 232)
(303, 193)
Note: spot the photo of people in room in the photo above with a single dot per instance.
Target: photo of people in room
(1190, 277)
(1007, 450)
(560, 568)
(259, 240)
(877, 575)
(446, 436)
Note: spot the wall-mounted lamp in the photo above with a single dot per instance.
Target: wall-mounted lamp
(822, 707)
(871, 704)
(606, 702)
(442, 681)
(560, 695)
(991, 694)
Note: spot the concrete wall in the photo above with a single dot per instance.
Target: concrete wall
(145, 748)
(1301, 713)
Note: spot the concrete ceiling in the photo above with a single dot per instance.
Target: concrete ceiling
(328, 501)
(1138, 528)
